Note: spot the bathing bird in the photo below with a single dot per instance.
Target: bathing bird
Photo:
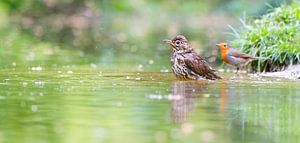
(186, 64)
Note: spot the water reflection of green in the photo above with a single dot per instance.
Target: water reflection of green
(271, 111)
(78, 105)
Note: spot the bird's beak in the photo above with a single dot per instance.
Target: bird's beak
(167, 41)
(218, 45)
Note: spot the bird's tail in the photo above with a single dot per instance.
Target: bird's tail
(212, 75)
(259, 58)
(256, 58)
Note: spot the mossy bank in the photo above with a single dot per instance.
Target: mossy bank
(274, 37)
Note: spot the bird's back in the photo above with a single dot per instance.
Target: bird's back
(200, 66)
(191, 66)
(236, 57)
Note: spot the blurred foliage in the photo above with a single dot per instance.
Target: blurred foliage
(71, 22)
(125, 29)
(19, 50)
(274, 38)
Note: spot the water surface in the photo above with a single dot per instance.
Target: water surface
(91, 105)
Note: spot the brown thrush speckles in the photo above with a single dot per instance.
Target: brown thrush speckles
(186, 64)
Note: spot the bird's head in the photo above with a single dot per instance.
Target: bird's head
(179, 43)
(223, 46)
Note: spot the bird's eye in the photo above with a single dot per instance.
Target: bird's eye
(177, 42)
(225, 45)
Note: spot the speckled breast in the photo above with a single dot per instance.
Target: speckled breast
(179, 67)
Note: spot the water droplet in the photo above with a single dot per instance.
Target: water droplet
(70, 72)
(25, 84)
(155, 96)
(150, 62)
(140, 67)
(34, 108)
(173, 97)
(164, 70)
(14, 64)
(206, 95)
(93, 65)
(39, 82)
(36, 68)
(221, 70)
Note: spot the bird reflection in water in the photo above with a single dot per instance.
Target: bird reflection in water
(223, 96)
(185, 95)
(185, 92)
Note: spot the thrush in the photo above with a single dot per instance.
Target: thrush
(234, 57)
(186, 64)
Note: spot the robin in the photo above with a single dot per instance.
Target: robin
(234, 57)
(186, 64)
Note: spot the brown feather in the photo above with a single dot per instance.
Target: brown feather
(238, 54)
(186, 64)
(200, 66)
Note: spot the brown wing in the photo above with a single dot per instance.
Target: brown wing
(200, 66)
(238, 54)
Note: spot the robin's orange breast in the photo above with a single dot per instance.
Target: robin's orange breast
(224, 53)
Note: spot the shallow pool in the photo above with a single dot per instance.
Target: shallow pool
(90, 105)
